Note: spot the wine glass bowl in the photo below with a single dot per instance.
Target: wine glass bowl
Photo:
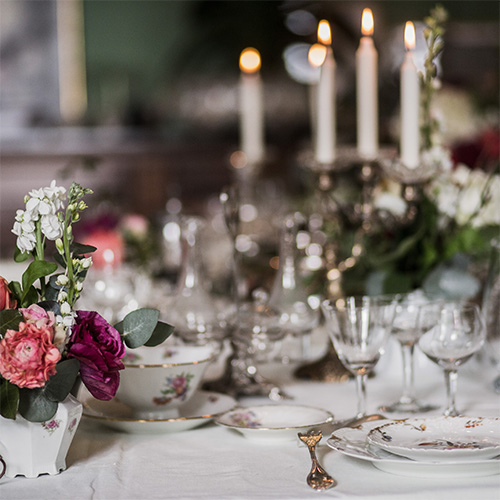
(452, 334)
(359, 328)
(406, 330)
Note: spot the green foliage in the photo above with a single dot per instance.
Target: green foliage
(9, 399)
(138, 326)
(36, 270)
(9, 320)
(433, 34)
(141, 327)
(160, 334)
(20, 256)
(35, 406)
(60, 384)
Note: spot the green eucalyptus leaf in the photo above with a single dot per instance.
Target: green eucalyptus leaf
(160, 334)
(81, 249)
(60, 384)
(119, 327)
(9, 320)
(138, 326)
(51, 305)
(35, 406)
(20, 256)
(51, 293)
(36, 270)
(15, 288)
(9, 399)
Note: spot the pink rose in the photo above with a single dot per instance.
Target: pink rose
(28, 357)
(39, 316)
(6, 300)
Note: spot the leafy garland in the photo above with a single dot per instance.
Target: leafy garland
(433, 34)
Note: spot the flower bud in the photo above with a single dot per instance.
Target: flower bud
(87, 262)
(62, 280)
(65, 308)
(78, 286)
(60, 246)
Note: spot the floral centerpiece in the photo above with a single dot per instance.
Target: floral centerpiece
(45, 343)
(451, 216)
(430, 227)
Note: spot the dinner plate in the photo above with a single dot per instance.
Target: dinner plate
(274, 422)
(439, 439)
(203, 407)
(353, 442)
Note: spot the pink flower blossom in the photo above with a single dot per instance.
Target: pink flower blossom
(6, 299)
(39, 316)
(28, 357)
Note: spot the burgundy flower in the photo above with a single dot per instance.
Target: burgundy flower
(99, 348)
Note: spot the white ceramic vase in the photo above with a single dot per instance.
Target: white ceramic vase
(33, 448)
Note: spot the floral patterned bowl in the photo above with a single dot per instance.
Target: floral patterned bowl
(158, 380)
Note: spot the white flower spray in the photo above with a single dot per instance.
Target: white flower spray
(46, 218)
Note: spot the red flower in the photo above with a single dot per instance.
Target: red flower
(6, 297)
(99, 348)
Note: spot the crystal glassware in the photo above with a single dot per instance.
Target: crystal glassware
(359, 328)
(289, 297)
(193, 311)
(406, 330)
(491, 311)
(453, 333)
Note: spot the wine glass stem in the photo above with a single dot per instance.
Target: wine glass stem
(361, 391)
(408, 385)
(451, 390)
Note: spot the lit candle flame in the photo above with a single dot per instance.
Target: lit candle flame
(250, 60)
(367, 23)
(317, 55)
(324, 32)
(409, 36)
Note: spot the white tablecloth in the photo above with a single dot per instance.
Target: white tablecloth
(212, 462)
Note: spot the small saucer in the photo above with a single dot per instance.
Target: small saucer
(203, 407)
(273, 422)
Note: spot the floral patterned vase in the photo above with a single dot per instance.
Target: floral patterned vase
(33, 448)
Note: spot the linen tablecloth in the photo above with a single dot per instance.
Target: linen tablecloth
(213, 462)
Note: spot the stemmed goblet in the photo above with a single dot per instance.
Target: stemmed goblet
(359, 328)
(453, 332)
(406, 329)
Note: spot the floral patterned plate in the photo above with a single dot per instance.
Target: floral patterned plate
(203, 407)
(277, 421)
(440, 438)
(353, 442)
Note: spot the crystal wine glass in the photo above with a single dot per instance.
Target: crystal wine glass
(406, 330)
(359, 328)
(453, 332)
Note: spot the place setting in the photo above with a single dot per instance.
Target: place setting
(453, 444)
(160, 392)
